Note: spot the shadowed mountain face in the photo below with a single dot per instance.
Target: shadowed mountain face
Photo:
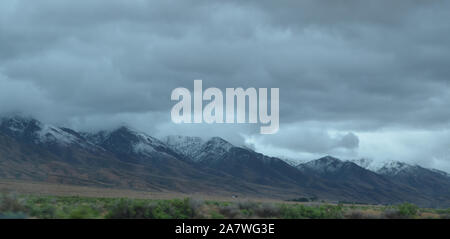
(134, 147)
(127, 158)
(241, 163)
(430, 182)
(370, 184)
(337, 170)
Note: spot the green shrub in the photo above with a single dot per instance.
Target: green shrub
(216, 215)
(131, 209)
(166, 209)
(83, 212)
(408, 210)
(310, 212)
(44, 211)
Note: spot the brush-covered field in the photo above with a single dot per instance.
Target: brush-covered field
(74, 207)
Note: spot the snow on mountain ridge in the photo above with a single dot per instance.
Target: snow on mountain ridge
(185, 145)
(214, 148)
(16, 124)
(139, 142)
(39, 132)
(220, 143)
(385, 167)
(50, 133)
(198, 149)
(440, 172)
(294, 162)
(324, 164)
(395, 167)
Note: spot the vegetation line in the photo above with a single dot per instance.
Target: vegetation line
(74, 207)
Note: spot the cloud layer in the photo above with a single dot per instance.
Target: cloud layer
(346, 70)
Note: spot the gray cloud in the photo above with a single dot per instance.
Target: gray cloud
(349, 68)
(312, 140)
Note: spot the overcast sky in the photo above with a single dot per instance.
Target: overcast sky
(356, 78)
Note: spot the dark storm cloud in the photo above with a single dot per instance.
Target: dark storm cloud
(347, 66)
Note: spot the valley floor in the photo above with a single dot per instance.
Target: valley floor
(55, 189)
(19, 199)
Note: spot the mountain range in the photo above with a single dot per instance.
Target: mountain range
(126, 158)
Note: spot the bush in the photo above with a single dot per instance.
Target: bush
(408, 210)
(83, 212)
(267, 210)
(402, 211)
(179, 209)
(247, 205)
(216, 215)
(10, 203)
(354, 214)
(130, 209)
(196, 206)
(167, 209)
(230, 211)
(11, 207)
(310, 212)
(392, 213)
(44, 211)
(357, 214)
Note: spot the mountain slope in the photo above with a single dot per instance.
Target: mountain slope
(362, 183)
(245, 164)
(120, 158)
(427, 181)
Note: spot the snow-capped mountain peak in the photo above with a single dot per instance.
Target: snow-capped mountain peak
(129, 140)
(185, 145)
(198, 149)
(324, 164)
(52, 134)
(294, 162)
(34, 131)
(18, 125)
(395, 167)
(381, 166)
(219, 144)
(392, 168)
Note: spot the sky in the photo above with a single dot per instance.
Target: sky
(357, 79)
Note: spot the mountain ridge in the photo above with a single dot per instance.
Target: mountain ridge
(127, 158)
